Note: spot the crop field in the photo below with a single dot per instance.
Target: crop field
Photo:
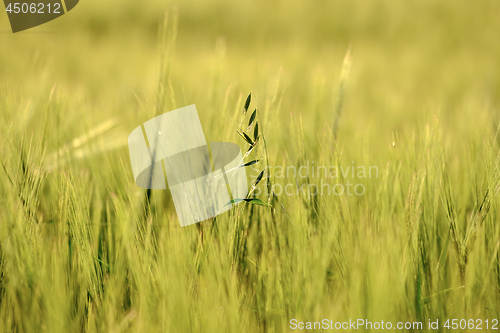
(373, 137)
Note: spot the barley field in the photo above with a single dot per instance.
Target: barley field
(399, 99)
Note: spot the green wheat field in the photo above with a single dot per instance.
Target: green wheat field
(408, 88)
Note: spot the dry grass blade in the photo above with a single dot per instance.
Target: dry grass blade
(76, 144)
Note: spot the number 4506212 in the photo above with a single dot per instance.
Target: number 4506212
(478, 324)
(34, 8)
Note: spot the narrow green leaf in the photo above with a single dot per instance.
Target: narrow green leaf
(259, 177)
(247, 103)
(253, 201)
(248, 163)
(256, 131)
(245, 137)
(252, 118)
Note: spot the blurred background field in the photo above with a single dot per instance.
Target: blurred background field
(81, 251)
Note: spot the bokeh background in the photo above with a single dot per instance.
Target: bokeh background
(410, 59)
